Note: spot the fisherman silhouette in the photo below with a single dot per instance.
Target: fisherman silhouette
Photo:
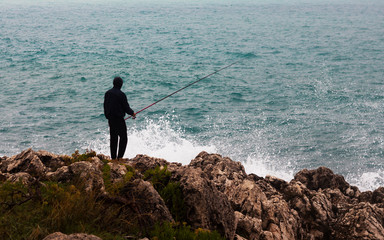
(115, 107)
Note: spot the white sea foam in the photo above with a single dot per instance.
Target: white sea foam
(367, 181)
(156, 139)
(262, 168)
(163, 140)
(159, 139)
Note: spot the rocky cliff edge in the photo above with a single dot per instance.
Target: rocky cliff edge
(216, 194)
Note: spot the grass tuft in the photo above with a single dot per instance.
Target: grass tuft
(166, 231)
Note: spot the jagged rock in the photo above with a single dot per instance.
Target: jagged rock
(77, 236)
(330, 198)
(143, 163)
(97, 162)
(141, 199)
(205, 206)
(218, 195)
(337, 197)
(322, 177)
(222, 171)
(50, 160)
(26, 161)
(378, 195)
(248, 198)
(279, 184)
(276, 215)
(118, 172)
(365, 196)
(362, 221)
(248, 227)
(238, 237)
(86, 172)
(103, 157)
(23, 177)
(329, 213)
(314, 210)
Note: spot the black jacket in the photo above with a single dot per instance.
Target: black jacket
(116, 104)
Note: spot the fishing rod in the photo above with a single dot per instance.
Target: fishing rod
(190, 84)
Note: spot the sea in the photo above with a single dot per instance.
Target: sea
(306, 89)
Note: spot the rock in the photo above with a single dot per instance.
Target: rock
(336, 197)
(27, 161)
(279, 184)
(322, 215)
(77, 236)
(218, 195)
(378, 195)
(23, 177)
(50, 160)
(257, 201)
(205, 206)
(366, 196)
(362, 221)
(238, 237)
(222, 171)
(103, 157)
(248, 227)
(276, 214)
(142, 200)
(143, 163)
(97, 162)
(246, 198)
(322, 177)
(118, 172)
(314, 210)
(85, 172)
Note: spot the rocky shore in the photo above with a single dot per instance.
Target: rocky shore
(212, 192)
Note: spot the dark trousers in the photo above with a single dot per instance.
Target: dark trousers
(117, 129)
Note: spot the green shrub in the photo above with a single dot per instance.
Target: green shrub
(86, 156)
(174, 200)
(114, 188)
(159, 177)
(32, 213)
(203, 234)
(77, 157)
(167, 231)
(169, 191)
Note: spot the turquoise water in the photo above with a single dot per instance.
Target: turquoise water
(308, 91)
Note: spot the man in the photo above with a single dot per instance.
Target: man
(115, 107)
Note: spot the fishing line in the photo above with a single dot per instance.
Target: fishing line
(190, 84)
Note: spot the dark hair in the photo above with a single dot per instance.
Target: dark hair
(118, 82)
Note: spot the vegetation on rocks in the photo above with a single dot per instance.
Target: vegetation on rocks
(32, 212)
(166, 231)
(170, 191)
(88, 196)
(37, 202)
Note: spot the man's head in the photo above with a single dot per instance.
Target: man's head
(118, 82)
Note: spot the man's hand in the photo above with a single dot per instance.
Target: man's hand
(134, 116)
